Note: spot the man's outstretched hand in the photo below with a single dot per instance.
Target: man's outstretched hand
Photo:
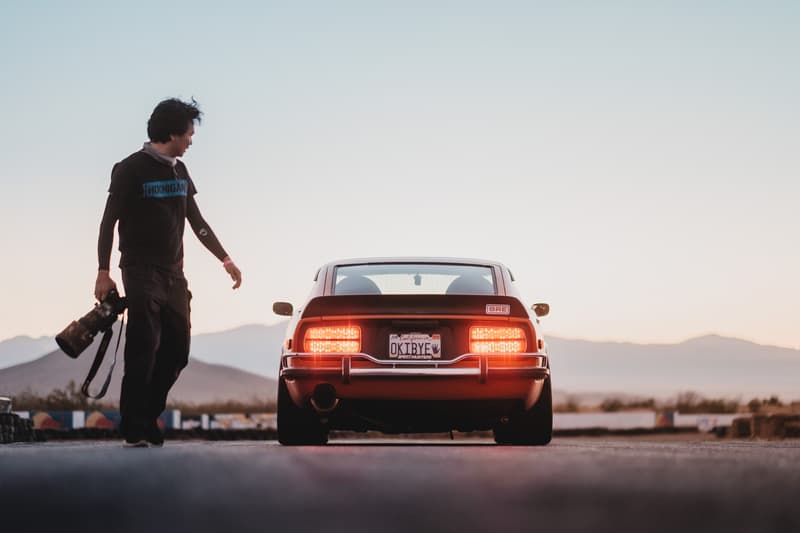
(104, 284)
(233, 271)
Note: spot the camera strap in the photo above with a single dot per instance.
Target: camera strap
(98, 359)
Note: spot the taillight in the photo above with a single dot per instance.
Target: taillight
(491, 339)
(333, 339)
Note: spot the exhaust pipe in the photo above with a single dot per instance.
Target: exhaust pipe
(324, 399)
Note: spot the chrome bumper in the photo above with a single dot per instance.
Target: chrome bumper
(486, 365)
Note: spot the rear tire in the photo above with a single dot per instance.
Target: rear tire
(533, 427)
(297, 426)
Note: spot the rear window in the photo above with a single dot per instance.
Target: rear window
(414, 278)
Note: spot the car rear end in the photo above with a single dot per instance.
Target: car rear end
(412, 361)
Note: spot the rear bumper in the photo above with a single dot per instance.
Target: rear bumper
(357, 366)
(468, 377)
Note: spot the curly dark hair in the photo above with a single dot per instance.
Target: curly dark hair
(172, 117)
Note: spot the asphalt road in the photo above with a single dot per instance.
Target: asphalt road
(348, 486)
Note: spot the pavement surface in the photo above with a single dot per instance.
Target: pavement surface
(575, 484)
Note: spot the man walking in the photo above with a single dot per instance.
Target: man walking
(152, 195)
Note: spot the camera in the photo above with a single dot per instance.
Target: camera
(80, 333)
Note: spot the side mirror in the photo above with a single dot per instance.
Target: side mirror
(541, 309)
(282, 308)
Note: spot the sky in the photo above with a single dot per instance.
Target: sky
(634, 163)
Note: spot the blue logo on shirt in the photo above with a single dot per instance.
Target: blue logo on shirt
(165, 189)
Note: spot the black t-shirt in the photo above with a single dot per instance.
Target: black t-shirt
(150, 198)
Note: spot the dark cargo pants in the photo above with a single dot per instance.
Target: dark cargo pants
(156, 343)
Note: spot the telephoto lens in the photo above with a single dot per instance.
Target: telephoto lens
(80, 333)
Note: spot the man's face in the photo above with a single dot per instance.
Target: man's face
(178, 144)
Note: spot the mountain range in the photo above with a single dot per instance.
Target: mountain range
(200, 381)
(22, 349)
(710, 365)
(244, 363)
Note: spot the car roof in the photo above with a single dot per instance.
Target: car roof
(413, 259)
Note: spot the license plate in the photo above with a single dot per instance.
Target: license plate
(415, 346)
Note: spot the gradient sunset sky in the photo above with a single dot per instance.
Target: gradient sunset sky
(634, 163)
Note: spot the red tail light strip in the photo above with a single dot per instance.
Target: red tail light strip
(497, 339)
(333, 339)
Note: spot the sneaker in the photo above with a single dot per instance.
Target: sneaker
(153, 435)
(133, 433)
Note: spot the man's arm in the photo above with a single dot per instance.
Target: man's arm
(210, 241)
(105, 242)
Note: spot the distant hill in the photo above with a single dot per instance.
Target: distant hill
(255, 348)
(709, 365)
(200, 382)
(22, 349)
